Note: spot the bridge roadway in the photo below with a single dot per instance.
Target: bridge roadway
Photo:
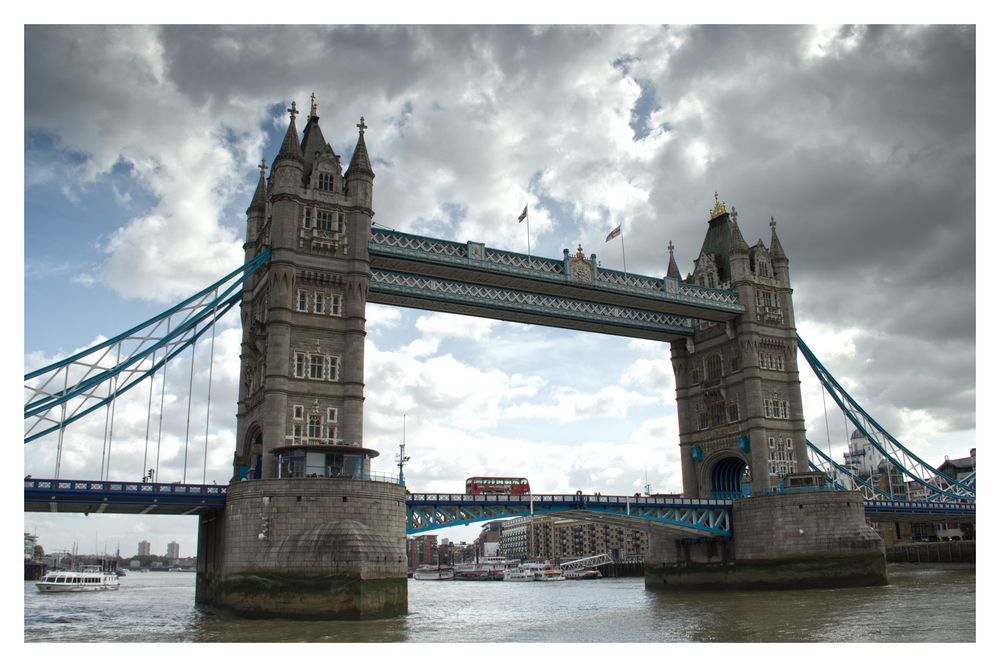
(472, 279)
(691, 517)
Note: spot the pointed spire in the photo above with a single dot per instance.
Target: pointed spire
(360, 164)
(290, 149)
(260, 194)
(777, 252)
(312, 106)
(672, 270)
(737, 242)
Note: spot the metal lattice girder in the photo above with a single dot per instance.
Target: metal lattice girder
(820, 462)
(475, 264)
(76, 496)
(556, 310)
(692, 516)
(895, 453)
(63, 392)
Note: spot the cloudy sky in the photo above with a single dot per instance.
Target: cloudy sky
(141, 146)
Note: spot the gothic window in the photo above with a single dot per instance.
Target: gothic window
(331, 433)
(773, 407)
(316, 366)
(325, 181)
(315, 427)
(333, 370)
(296, 433)
(324, 220)
(307, 218)
(714, 367)
(331, 414)
(302, 301)
(319, 302)
(734, 411)
(770, 443)
(335, 305)
(717, 413)
(298, 412)
(300, 364)
(702, 420)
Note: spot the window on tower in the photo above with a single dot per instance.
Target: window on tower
(316, 366)
(325, 181)
(324, 220)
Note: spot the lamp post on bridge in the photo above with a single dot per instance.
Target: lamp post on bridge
(402, 458)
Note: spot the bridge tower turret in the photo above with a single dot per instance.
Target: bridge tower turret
(304, 314)
(739, 404)
(307, 531)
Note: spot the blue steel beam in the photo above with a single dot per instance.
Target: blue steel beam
(440, 294)
(894, 452)
(707, 518)
(477, 264)
(88, 382)
(83, 496)
(427, 511)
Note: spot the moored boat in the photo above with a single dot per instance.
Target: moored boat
(583, 573)
(489, 569)
(433, 573)
(91, 578)
(534, 572)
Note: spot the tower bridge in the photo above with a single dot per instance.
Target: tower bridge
(307, 528)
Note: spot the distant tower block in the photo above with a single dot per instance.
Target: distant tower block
(739, 405)
(305, 532)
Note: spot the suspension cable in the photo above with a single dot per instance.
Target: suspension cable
(109, 417)
(62, 430)
(208, 409)
(187, 428)
(149, 417)
(159, 434)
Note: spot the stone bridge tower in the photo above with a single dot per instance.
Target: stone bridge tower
(302, 357)
(739, 404)
(307, 531)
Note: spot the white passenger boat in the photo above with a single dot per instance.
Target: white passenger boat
(534, 572)
(91, 578)
(583, 573)
(433, 573)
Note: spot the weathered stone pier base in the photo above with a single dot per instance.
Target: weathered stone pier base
(313, 548)
(796, 540)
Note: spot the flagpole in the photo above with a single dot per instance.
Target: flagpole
(624, 265)
(527, 220)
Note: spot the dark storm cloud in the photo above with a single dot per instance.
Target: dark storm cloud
(860, 142)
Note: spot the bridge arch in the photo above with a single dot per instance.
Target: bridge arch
(724, 475)
(250, 463)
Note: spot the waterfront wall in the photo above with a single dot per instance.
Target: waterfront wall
(306, 548)
(932, 552)
(800, 540)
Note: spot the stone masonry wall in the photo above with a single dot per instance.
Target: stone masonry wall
(336, 526)
(826, 523)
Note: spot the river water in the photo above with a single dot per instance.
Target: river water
(922, 603)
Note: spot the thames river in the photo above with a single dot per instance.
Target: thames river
(922, 603)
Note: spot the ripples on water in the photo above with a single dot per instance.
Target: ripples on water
(920, 604)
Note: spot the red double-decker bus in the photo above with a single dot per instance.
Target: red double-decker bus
(511, 485)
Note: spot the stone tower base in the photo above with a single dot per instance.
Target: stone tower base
(313, 548)
(795, 540)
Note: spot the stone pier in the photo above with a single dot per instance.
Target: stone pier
(315, 548)
(813, 539)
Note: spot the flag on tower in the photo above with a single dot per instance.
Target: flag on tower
(524, 214)
(614, 233)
